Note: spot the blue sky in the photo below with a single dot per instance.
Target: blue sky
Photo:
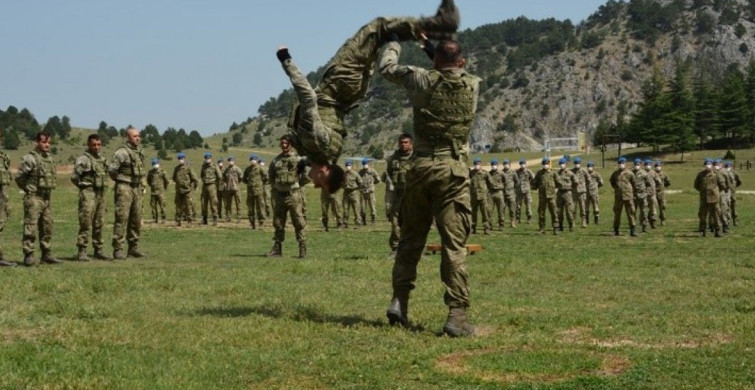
(194, 64)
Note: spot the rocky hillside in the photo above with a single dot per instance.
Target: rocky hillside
(551, 78)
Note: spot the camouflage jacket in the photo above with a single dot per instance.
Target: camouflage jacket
(157, 180)
(369, 179)
(596, 181)
(709, 184)
(547, 182)
(623, 182)
(582, 180)
(185, 179)
(526, 177)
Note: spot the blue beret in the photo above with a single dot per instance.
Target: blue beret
(494, 161)
(221, 159)
(262, 160)
(365, 161)
(207, 155)
(348, 162)
(637, 161)
(253, 156)
(155, 161)
(577, 160)
(230, 158)
(727, 164)
(590, 164)
(658, 163)
(622, 160)
(522, 161)
(648, 161)
(707, 161)
(506, 161)
(546, 160)
(181, 155)
(719, 161)
(477, 160)
(562, 160)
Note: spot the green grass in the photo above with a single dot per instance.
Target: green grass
(206, 309)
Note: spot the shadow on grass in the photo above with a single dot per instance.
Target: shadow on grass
(301, 314)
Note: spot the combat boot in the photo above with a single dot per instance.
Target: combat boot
(47, 258)
(398, 310)
(100, 255)
(457, 324)
(445, 22)
(302, 249)
(615, 230)
(204, 220)
(133, 251)
(119, 254)
(325, 224)
(571, 226)
(474, 229)
(29, 260)
(362, 216)
(276, 251)
(584, 222)
(734, 221)
(726, 228)
(373, 221)
(663, 222)
(555, 231)
(513, 224)
(632, 232)
(596, 219)
(644, 228)
(529, 220)
(587, 218)
(82, 255)
(718, 233)
(214, 221)
(652, 224)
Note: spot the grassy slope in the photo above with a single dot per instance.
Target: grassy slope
(206, 310)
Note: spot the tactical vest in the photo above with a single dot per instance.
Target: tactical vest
(444, 122)
(95, 177)
(43, 175)
(4, 169)
(285, 173)
(134, 167)
(399, 166)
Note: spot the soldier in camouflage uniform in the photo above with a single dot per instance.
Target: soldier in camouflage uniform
(497, 202)
(579, 189)
(157, 180)
(232, 177)
(723, 196)
(660, 192)
(565, 199)
(331, 202)
(652, 182)
(481, 185)
(736, 182)
(37, 177)
(5, 180)
(254, 178)
(523, 195)
(351, 198)
(593, 196)
(623, 182)
(369, 179)
(284, 173)
(186, 182)
(709, 184)
(210, 175)
(90, 176)
(317, 129)
(399, 164)
(547, 183)
(445, 102)
(640, 194)
(222, 205)
(510, 184)
(126, 168)
(266, 189)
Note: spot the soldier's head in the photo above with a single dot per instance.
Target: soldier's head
(181, 156)
(637, 163)
(522, 163)
(658, 166)
(405, 143)
(44, 140)
(562, 163)
(728, 165)
(577, 162)
(494, 164)
(285, 144)
(132, 136)
(506, 164)
(94, 144)
(717, 164)
(329, 177)
(622, 162)
(708, 164)
(231, 161)
(590, 166)
(348, 164)
(366, 163)
(208, 157)
(648, 164)
(546, 163)
(221, 161)
(253, 159)
(155, 163)
(477, 163)
(448, 55)
(262, 162)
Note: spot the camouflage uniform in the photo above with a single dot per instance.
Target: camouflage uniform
(351, 198)
(709, 184)
(399, 164)
(285, 180)
(593, 196)
(210, 175)
(232, 177)
(90, 176)
(640, 197)
(158, 182)
(497, 203)
(579, 192)
(623, 182)
(222, 204)
(523, 195)
(652, 182)
(5, 179)
(331, 202)
(510, 184)
(254, 177)
(186, 182)
(660, 194)
(369, 179)
(565, 199)
(547, 183)
(481, 184)
(737, 182)
(444, 104)
(266, 190)
(37, 177)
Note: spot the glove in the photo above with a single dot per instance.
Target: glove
(283, 55)
(428, 48)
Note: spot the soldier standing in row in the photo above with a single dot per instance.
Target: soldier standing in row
(652, 182)
(399, 164)
(232, 177)
(736, 181)
(157, 180)
(127, 170)
(222, 201)
(480, 189)
(90, 176)
(623, 182)
(660, 192)
(593, 196)
(580, 186)
(5, 179)
(331, 202)
(510, 184)
(547, 183)
(724, 213)
(496, 202)
(210, 176)
(351, 184)
(523, 194)
(37, 178)
(565, 200)
(284, 175)
(254, 178)
(186, 182)
(369, 179)
(640, 194)
(709, 184)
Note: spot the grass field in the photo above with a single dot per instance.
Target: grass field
(206, 309)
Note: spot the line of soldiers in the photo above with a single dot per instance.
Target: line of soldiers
(717, 185)
(639, 191)
(358, 197)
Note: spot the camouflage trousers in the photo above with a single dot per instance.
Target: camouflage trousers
(661, 205)
(620, 204)
(330, 203)
(523, 198)
(184, 206)
(726, 208)
(268, 200)
(158, 205)
(652, 212)
(496, 204)
(37, 220)
(209, 199)
(368, 202)
(593, 203)
(440, 192)
(351, 200)
(255, 205)
(641, 207)
(733, 206)
(222, 205)
(232, 197)
(546, 204)
(710, 212)
(92, 209)
(565, 205)
(288, 203)
(394, 215)
(128, 215)
(4, 212)
(580, 202)
(480, 206)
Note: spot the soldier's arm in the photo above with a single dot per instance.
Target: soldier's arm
(737, 179)
(165, 179)
(377, 178)
(410, 77)
(119, 158)
(698, 178)
(599, 180)
(27, 165)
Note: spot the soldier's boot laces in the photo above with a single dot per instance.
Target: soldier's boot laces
(276, 251)
(100, 255)
(457, 324)
(48, 258)
(398, 310)
(82, 255)
(119, 254)
(302, 249)
(134, 252)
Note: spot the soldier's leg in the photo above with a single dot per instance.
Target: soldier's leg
(32, 213)
(394, 218)
(122, 195)
(250, 206)
(373, 206)
(618, 206)
(178, 202)
(295, 204)
(631, 212)
(560, 210)
(134, 219)
(87, 203)
(204, 202)
(451, 211)
(259, 205)
(280, 214)
(338, 210)
(596, 206)
(734, 216)
(511, 205)
(154, 207)
(45, 228)
(569, 200)
(542, 204)
(552, 209)
(4, 211)
(98, 221)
